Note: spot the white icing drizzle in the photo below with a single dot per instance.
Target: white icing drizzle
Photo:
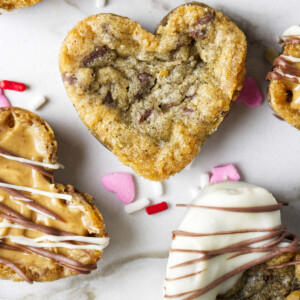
(36, 191)
(30, 207)
(32, 162)
(11, 225)
(40, 212)
(199, 220)
(97, 243)
(286, 74)
(291, 58)
(293, 31)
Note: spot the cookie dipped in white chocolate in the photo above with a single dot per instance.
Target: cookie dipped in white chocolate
(232, 214)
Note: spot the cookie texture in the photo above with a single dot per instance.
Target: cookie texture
(27, 219)
(15, 4)
(154, 99)
(284, 91)
(260, 284)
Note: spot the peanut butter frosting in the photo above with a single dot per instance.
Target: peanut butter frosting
(43, 224)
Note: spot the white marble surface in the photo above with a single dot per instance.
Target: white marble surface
(265, 149)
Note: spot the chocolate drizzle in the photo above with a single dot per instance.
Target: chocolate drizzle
(14, 267)
(283, 68)
(30, 201)
(62, 260)
(253, 209)
(37, 168)
(292, 41)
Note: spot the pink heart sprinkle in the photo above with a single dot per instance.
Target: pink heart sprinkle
(121, 184)
(3, 100)
(224, 172)
(250, 93)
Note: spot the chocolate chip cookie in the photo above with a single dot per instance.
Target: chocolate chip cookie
(154, 99)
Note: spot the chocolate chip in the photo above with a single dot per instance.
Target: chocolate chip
(69, 78)
(206, 19)
(198, 34)
(166, 107)
(146, 81)
(108, 100)
(99, 52)
(146, 115)
(289, 97)
(187, 110)
(278, 117)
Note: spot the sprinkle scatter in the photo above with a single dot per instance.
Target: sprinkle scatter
(250, 94)
(12, 85)
(158, 188)
(224, 172)
(121, 184)
(204, 180)
(156, 208)
(101, 3)
(37, 102)
(3, 100)
(137, 205)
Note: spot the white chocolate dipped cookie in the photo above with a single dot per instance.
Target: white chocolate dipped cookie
(227, 245)
(47, 230)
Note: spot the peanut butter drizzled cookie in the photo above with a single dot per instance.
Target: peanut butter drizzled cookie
(15, 4)
(284, 89)
(47, 230)
(154, 99)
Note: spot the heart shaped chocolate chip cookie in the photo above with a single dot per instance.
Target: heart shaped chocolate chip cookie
(154, 99)
(47, 230)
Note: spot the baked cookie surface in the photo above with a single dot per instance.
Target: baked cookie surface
(284, 88)
(154, 99)
(48, 230)
(260, 284)
(15, 4)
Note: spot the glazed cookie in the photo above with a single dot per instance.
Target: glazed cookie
(284, 89)
(48, 230)
(208, 256)
(154, 99)
(15, 4)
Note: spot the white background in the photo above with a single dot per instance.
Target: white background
(265, 149)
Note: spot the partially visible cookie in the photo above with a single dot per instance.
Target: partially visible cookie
(154, 99)
(15, 4)
(231, 245)
(284, 88)
(48, 230)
